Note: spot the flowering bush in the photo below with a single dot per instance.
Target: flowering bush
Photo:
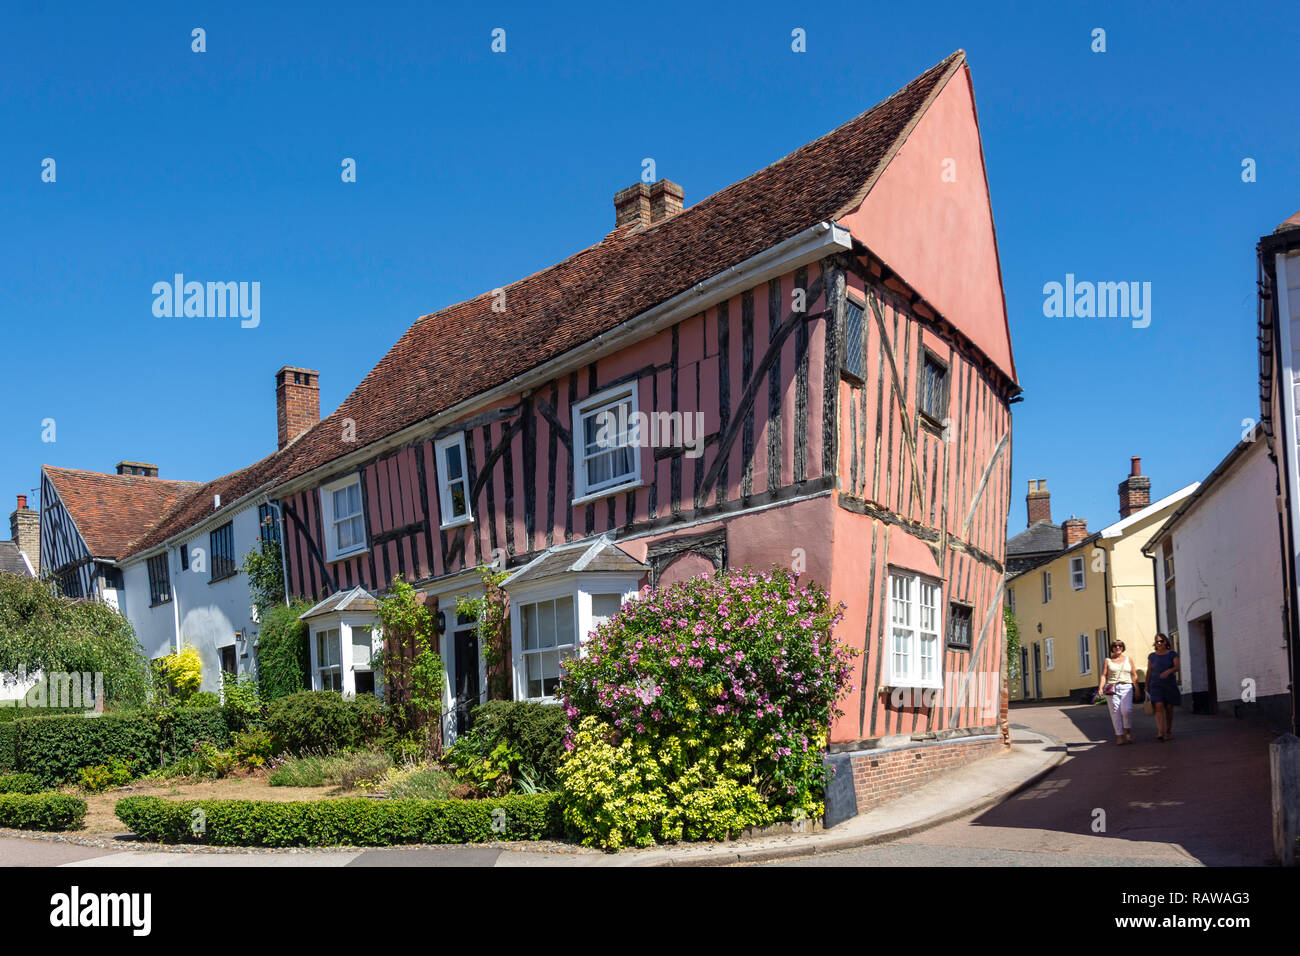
(702, 709)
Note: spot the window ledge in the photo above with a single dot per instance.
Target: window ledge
(458, 523)
(349, 553)
(608, 492)
(224, 577)
(160, 603)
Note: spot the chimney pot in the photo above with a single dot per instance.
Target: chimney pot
(22, 502)
(297, 402)
(1135, 465)
(1135, 490)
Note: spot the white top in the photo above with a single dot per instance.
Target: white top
(1120, 671)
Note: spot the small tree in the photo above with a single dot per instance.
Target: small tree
(412, 669)
(265, 572)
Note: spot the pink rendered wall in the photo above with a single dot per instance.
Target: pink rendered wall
(939, 235)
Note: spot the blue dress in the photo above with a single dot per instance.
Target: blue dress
(1163, 690)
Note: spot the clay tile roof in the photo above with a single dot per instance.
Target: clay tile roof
(466, 349)
(112, 511)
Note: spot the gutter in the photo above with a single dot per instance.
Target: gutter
(811, 244)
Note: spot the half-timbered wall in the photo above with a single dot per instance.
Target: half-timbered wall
(64, 555)
(919, 496)
(752, 364)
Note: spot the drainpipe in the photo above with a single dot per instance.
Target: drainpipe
(176, 604)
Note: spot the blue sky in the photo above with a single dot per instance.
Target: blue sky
(475, 168)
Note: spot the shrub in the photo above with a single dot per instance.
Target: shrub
(41, 811)
(116, 773)
(180, 728)
(322, 721)
(212, 760)
(283, 659)
(55, 748)
(252, 748)
(179, 676)
(536, 731)
(19, 783)
(8, 755)
(243, 702)
(486, 775)
(702, 709)
(205, 699)
(349, 821)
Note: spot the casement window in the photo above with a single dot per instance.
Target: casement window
(453, 481)
(959, 619)
(343, 517)
(606, 443)
(1077, 581)
(1047, 587)
(160, 580)
(1049, 655)
(932, 393)
(268, 528)
(329, 669)
(184, 551)
(221, 542)
(1085, 655)
(549, 636)
(912, 658)
(854, 321)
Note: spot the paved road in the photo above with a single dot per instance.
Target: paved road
(1200, 799)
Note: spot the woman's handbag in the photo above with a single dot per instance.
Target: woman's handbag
(1108, 690)
(1148, 707)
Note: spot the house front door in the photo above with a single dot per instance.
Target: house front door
(1025, 691)
(465, 685)
(1038, 671)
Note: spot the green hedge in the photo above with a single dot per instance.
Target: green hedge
(341, 822)
(41, 811)
(321, 721)
(8, 753)
(9, 714)
(19, 783)
(55, 748)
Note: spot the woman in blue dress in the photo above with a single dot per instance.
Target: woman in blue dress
(1162, 686)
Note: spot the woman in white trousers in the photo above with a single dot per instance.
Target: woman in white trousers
(1117, 677)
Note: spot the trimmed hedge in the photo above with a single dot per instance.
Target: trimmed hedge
(41, 811)
(19, 783)
(54, 748)
(9, 714)
(341, 822)
(321, 721)
(8, 751)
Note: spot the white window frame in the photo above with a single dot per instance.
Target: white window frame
(1085, 654)
(1076, 568)
(908, 637)
(1049, 655)
(582, 588)
(330, 522)
(445, 510)
(1047, 587)
(593, 404)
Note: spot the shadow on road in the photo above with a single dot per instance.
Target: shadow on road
(1206, 791)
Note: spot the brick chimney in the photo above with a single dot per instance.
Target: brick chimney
(645, 203)
(1135, 490)
(666, 200)
(1038, 502)
(297, 402)
(1073, 530)
(142, 468)
(25, 530)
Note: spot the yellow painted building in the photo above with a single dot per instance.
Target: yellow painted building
(1068, 606)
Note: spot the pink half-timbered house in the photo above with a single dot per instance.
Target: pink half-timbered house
(835, 325)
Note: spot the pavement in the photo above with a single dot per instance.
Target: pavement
(1063, 795)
